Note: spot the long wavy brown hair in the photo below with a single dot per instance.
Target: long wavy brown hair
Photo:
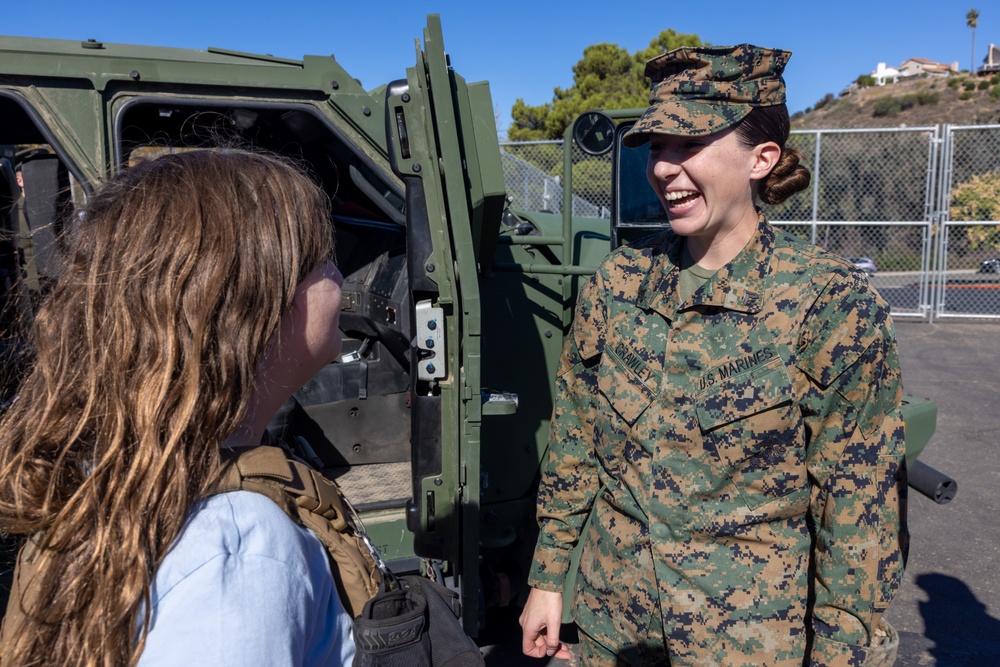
(177, 275)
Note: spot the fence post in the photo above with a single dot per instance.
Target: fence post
(815, 193)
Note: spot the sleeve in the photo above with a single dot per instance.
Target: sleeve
(262, 596)
(569, 480)
(235, 611)
(855, 459)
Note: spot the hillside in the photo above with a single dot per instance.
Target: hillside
(912, 102)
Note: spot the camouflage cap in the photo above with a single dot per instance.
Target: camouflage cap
(702, 90)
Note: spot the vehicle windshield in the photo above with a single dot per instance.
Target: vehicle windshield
(637, 204)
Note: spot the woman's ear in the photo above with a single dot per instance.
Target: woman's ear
(765, 158)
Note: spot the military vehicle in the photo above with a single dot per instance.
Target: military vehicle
(434, 420)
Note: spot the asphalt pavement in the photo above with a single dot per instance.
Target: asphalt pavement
(947, 612)
(948, 609)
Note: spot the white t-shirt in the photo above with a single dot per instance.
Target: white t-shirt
(245, 585)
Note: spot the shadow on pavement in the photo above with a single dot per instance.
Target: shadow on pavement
(957, 624)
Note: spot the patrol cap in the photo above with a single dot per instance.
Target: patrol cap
(701, 90)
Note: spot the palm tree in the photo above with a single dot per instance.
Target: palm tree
(972, 20)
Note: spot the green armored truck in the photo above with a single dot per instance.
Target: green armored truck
(434, 419)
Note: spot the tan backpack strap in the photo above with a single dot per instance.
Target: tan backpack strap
(264, 470)
(22, 594)
(311, 500)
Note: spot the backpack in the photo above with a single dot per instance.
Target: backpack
(406, 621)
(313, 501)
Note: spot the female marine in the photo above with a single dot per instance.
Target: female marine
(727, 409)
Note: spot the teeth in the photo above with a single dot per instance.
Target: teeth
(678, 194)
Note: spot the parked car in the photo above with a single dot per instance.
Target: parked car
(990, 265)
(866, 264)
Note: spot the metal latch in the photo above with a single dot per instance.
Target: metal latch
(432, 364)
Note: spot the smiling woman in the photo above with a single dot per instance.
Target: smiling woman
(727, 409)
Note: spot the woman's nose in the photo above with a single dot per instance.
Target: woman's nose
(663, 166)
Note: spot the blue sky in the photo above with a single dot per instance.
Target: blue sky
(527, 48)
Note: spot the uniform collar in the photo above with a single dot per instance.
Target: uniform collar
(737, 286)
(658, 289)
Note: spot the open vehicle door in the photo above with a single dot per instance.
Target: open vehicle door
(413, 173)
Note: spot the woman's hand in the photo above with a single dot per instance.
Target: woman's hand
(540, 622)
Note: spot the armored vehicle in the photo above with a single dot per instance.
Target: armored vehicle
(435, 417)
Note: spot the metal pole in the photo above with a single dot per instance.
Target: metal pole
(815, 202)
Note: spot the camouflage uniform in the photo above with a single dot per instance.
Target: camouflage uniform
(741, 452)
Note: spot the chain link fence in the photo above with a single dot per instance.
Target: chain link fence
(533, 175)
(895, 201)
(871, 200)
(968, 249)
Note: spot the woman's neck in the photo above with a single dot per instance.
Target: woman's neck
(714, 252)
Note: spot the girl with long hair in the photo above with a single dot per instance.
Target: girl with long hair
(198, 294)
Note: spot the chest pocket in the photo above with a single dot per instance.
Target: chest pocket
(753, 424)
(625, 379)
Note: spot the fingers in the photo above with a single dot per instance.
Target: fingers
(540, 624)
(533, 637)
(563, 653)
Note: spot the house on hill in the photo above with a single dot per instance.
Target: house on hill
(991, 63)
(882, 74)
(918, 66)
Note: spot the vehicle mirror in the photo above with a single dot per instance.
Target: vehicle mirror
(594, 132)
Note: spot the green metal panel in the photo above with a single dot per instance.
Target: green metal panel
(464, 349)
(920, 416)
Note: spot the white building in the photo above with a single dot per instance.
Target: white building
(991, 63)
(882, 74)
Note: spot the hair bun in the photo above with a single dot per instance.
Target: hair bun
(787, 178)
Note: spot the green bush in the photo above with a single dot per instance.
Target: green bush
(890, 105)
(865, 81)
(969, 85)
(984, 84)
(966, 95)
(995, 93)
(979, 199)
(844, 105)
(886, 106)
(823, 102)
(955, 81)
(995, 79)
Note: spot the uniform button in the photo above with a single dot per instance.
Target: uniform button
(660, 531)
